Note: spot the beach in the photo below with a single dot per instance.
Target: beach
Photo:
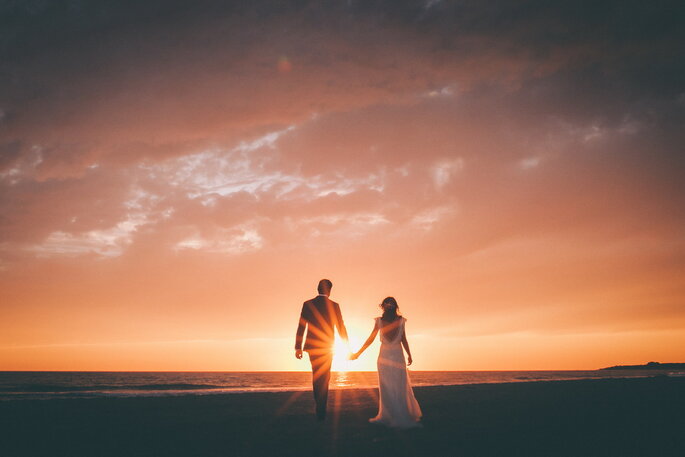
(605, 417)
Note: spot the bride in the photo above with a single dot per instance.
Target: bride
(398, 407)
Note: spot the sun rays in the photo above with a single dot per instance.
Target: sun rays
(341, 350)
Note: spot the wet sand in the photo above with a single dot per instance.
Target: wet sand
(610, 417)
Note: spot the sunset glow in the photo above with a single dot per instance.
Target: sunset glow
(340, 360)
(341, 350)
(174, 182)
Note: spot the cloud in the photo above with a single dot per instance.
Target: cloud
(237, 240)
(529, 163)
(427, 218)
(444, 170)
(108, 243)
(190, 76)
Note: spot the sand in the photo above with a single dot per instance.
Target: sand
(611, 417)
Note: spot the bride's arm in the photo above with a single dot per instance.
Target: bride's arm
(405, 343)
(367, 343)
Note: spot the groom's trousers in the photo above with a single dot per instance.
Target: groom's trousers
(321, 376)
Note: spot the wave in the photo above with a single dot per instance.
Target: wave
(43, 388)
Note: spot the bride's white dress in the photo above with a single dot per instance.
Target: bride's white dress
(397, 406)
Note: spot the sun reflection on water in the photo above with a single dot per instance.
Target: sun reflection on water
(342, 379)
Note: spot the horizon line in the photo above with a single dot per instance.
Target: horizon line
(279, 371)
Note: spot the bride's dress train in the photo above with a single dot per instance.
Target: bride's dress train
(397, 406)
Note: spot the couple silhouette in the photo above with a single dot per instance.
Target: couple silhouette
(320, 317)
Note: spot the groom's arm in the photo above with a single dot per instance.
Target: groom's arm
(301, 326)
(341, 325)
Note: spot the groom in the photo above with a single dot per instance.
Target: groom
(320, 316)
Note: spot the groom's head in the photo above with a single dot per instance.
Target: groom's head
(325, 287)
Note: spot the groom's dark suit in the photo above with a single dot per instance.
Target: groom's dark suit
(320, 316)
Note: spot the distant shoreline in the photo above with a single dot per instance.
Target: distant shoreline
(649, 366)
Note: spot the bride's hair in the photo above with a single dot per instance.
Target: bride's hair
(391, 312)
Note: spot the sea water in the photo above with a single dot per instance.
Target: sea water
(46, 385)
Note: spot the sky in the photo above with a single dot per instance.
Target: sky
(176, 177)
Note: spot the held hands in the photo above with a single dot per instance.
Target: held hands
(298, 353)
(353, 356)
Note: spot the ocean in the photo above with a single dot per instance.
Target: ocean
(15, 385)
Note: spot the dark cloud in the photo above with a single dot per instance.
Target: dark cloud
(163, 73)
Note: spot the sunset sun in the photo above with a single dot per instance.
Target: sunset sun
(341, 351)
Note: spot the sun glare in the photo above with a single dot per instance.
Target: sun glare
(340, 352)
